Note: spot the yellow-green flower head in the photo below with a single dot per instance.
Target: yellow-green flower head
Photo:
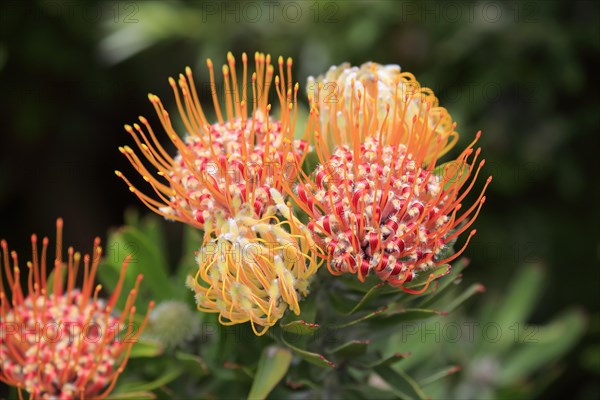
(342, 85)
(254, 269)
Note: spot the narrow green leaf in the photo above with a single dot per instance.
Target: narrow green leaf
(152, 229)
(310, 162)
(145, 259)
(146, 348)
(131, 396)
(370, 295)
(521, 297)
(192, 241)
(50, 279)
(403, 385)
(351, 282)
(192, 363)
(367, 392)
(301, 383)
(110, 267)
(308, 309)
(313, 358)
(272, 367)
(338, 301)
(464, 296)
(300, 327)
(439, 375)
(516, 305)
(388, 361)
(131, 217)
(444, 283)
(423, 276)
(170, 374)
(241, 372)
(539, 347)
(453, 171)
(406, 315)
(361, 319)
(352, 349)
(299, 376)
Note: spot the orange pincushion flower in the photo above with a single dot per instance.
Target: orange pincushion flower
(240, 158)
(59, 342)
(377, 204)
(375, 81)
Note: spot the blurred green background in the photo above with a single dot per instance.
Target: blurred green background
(71, 74)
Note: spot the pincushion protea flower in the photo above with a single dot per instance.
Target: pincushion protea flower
(238, 158)
(59, 342)
(255, 269)
(227, 180)
(378, 203)
(341, 83)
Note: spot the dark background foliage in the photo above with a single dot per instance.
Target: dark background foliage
(71, 74)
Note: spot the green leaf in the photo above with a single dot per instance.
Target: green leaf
(464, 296)
(192, 241)
(299, 376)
(172, 372)
(146, 348)
(521, 297)
(145, 259)
(590, 359)
(444, 283)
(352, 349)
(403, 385)
(350, 281)
(375, 291)
(439, 375)
(516, 305)
(541, 347)
(241, 372)
(388, 361)
(272, 367)
(131, 396)
(338, 301)
(131, 217)
(313, 358)
(300, 327)
(423, 276)
(310, 162)
(361, 319)
(367, 392)
(152, 229)
(406, 315)
(50, 279)
(453, 171)
(192, 363)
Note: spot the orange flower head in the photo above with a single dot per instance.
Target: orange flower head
(342, 83)
(378, 203)
(57, 341)
(220, 166)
